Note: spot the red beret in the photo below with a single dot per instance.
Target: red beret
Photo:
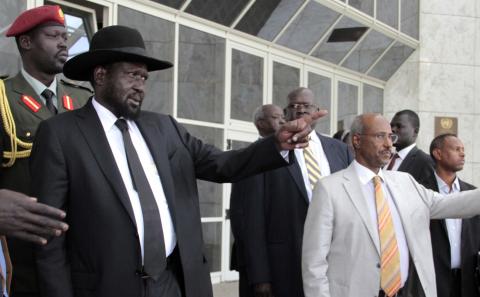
(31, 18)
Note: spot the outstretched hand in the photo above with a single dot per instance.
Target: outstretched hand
(24, 218)
(294, 134)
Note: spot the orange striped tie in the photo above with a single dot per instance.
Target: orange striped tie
(390, 277)
(313, 170)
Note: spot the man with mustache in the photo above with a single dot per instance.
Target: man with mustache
(33, 95)
(367, 229)
(455, 242)
(128, 181)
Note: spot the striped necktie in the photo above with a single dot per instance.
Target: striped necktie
(390, 276)
(313, 170)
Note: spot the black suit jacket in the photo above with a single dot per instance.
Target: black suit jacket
(269, 225)
(76, 171)
(419, 165)
(470, 245)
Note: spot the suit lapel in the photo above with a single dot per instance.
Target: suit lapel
(353, 189)
(297, 176)
(91, 128)
(409, 160)
(330, 153)
(404, 209)
(22, 87)
(156, 144)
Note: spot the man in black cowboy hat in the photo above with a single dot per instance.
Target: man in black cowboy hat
(134, 222)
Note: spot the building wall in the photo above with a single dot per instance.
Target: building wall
(442, 78)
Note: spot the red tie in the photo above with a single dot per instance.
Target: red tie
(392, 162)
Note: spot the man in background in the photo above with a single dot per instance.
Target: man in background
(408, 157)
(33, 95)
(247, 215)
(455, 242)
(281, 206)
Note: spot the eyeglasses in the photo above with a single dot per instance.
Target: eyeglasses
(381, 137)
(302, 105)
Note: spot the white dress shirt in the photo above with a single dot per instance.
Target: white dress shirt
(317, 149)
(402, 154)
(39, 87)
(366, 176)
(115, 140)
(454, 226)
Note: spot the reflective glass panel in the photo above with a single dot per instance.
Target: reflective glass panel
(372, 99)
(212, 238)
(365, 6)
(409, 17)
(77, 37)
(321, 86)
(367, 52)
(308, 27)
(210, 194)
(159, 38)
(285, 79)
(171, 3)
(335, 51)
(266, 19)
(387, 12)
(347, 108)
(247, 85)
(391, 61)
(201, 72)
(9, 56)
(223, 12)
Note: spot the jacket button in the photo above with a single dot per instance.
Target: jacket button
(378, 265)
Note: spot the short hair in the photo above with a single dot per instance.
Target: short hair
(338, 135)
(437, 143)
(412, 117)
(357, 126)
(294, 94)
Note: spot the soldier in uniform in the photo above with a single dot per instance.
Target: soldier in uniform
(33, 95)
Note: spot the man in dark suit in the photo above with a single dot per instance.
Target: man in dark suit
(243, 211)
(33, 95)
(455, 242)
(135, 225)
(409, 158)
(273, 248)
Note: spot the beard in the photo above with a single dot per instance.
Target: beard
(119, 104)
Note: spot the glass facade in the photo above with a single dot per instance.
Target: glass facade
(247, 85)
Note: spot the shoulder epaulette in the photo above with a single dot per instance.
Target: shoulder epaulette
(74, 85)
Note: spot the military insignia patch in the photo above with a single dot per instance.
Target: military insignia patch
(31, 103)
(68, 102)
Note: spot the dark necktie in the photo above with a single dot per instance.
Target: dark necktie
(392, 162)
(48, 95)
(154, 247)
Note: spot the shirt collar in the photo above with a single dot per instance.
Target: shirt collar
(314, 137)
(444, 188)
(366, 175)
(404, 152)
(107, 118)
(37, 85)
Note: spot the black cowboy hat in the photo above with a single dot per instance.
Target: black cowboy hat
(109, 45)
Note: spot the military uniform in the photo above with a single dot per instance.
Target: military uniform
(28, 110)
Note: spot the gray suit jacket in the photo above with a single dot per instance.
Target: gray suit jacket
(341, 249)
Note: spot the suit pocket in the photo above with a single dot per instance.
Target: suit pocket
(83, 280)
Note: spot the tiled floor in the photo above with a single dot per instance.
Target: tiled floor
(226, 289)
